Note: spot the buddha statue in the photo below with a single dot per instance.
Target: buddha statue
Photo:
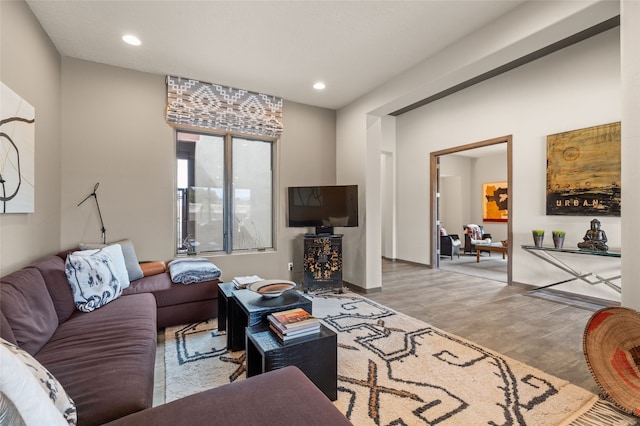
(595, 238)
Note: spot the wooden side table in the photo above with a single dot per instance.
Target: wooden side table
(245, 308)
(315, 355)
(227, 307)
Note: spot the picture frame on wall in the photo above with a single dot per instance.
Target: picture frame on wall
(17, 153)
(495, 196)
(584, 172)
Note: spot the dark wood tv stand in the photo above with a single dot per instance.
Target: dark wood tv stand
(322, 262)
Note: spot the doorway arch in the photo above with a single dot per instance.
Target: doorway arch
(434, 162)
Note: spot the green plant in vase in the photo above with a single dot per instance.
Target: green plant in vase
(538, 237)
(558, 238)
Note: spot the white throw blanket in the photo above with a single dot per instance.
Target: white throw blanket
(193, 270)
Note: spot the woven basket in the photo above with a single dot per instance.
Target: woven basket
(611, 345)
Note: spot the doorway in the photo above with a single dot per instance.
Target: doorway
(437, 187)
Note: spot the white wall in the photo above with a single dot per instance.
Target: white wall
(450, 204)
(528, 28)
(459, 166)
(630, 34)
(30, 66)
(571, 89)
(490, 168)
(473, 172)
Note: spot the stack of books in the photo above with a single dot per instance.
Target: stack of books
(243, 282)
(294, 323)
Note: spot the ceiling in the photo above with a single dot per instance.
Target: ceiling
(276, 47)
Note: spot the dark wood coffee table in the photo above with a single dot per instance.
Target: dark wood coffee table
(482, 247)
(238, 309)
(316, 355)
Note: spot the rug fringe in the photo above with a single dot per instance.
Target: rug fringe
(603, 413)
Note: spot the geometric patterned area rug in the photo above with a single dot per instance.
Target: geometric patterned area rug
(397, 370)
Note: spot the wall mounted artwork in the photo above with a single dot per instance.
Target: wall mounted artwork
(17, 153)
(583, 172)
(495, 196)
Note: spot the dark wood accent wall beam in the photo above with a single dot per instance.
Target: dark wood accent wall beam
(554, 47)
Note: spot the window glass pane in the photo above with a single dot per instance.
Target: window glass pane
(183, 173)
(200, 192)
(206, 197)
(252, 194)
(205, 220)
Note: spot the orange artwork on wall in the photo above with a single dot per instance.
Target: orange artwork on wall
(495, 197)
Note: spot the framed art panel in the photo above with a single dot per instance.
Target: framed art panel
(17, 153)
(583, 172)
(495, 202)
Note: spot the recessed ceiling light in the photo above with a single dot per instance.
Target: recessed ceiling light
(319, 86)
(131, 39)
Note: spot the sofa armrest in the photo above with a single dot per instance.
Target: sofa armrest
(281, 397)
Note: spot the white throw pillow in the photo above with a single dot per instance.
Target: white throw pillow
(9, 414)
(93, 279)
(115, 251)
(37, 395)
(129, 253)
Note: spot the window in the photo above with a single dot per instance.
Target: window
(224, 193)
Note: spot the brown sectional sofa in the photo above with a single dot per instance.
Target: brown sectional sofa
(105, 359)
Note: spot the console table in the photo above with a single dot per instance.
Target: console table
(553, 256)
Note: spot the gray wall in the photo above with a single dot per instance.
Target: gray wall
(30, 66)
(115, 133)
(97, 123)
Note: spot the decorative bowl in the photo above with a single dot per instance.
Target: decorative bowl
(271, 288)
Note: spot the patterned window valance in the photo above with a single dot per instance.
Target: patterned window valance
(211, 106)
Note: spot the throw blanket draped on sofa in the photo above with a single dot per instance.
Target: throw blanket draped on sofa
(193, 270)
(474, 231)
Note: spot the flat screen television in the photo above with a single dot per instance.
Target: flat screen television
(323, 207)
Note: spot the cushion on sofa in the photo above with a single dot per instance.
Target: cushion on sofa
(105, 359)
(168, 293)
(115, 252)
(94, 279)
(9, 414)
(5, 330)
(153, 268)
(37, 395)
(130, 258)
(281, 397)
(52, 270)
(28, 308)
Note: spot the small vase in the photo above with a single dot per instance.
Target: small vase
(537, 240)
(558, 242)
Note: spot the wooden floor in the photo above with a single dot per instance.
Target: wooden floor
(544, 334)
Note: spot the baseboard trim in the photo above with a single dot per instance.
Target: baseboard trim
(409, 262)
(572, 299)
(360, 290)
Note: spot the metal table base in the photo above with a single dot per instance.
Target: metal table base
(549, 255)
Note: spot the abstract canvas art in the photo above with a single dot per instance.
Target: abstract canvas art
(495, 196)
(583, 172)
(17, 153)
